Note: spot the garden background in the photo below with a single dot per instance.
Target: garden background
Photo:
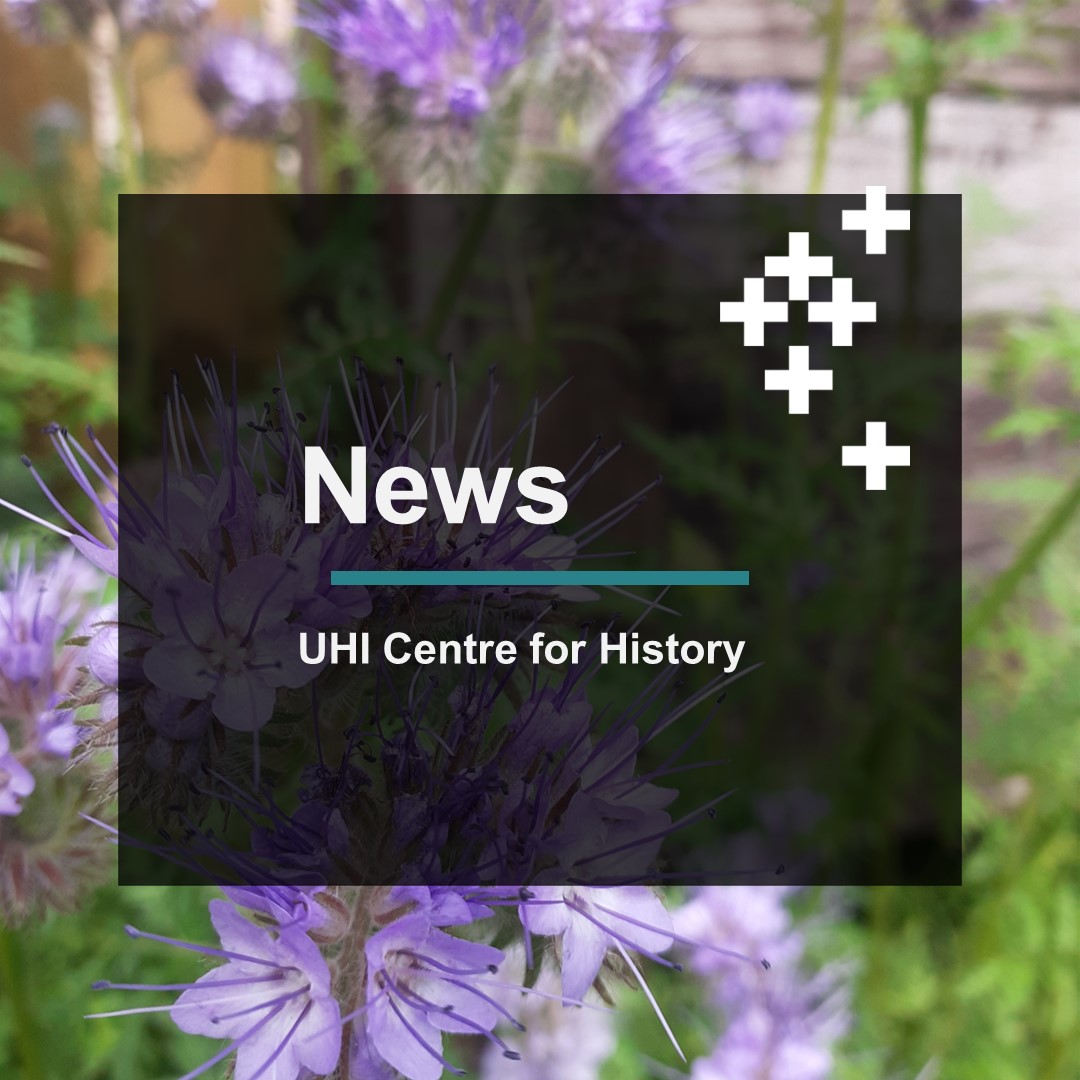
(979, 98)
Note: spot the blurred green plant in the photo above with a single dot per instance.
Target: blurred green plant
(47, 972)
(983, 981)
(42, 381)
(1030, 353)
(930, 44)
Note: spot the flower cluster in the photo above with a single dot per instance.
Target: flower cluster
(780, 1023)
(440, 91)
(359, 983)
(347, 945)
(763, 115)
(451, 95)
(57, 654)
(247, 85)
(451, 58)
(495, 775)
(601, 37)
(670, 143)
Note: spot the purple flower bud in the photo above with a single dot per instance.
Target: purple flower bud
(669, 143)
(288, 905)
(764, 114)
(758, 1043)
(604, 38)
(247, 85)
(16, 781)
(39, 611)
(272, 999)
(451, 57)
(780, 1021)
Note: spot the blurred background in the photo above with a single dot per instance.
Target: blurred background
(971, 96)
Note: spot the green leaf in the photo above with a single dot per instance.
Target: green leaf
(1029, 423)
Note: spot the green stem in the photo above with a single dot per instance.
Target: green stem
(458, 271)
(13, 979)
(918, 116)
(829, 91)
(1005, 584)
(130, 164)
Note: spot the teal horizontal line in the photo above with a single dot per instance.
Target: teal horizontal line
(539, 577)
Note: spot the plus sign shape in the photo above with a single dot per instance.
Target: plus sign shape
(798, 265)
(798, 379)
(876, 456)
(842, 311)
(876, 221)
(753, 311)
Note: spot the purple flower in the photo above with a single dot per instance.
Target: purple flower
(591, 921)
(84, 471)
(452, 56)
(93, 476)
(780, 1022)
(278, 1001)
(246, 84)
(580, 18)
(364, 1060)
(764, 114)
(48, 852)
(554, 1041)
(758, 1043)
(16, 781)
(605, 37)
(228, 641)
(272, 1000)
(672, 142)
(39, 610)
(57, 733)
(421, 984)
(440, 905)
(103, 658)
(221, 574)
(290, 906)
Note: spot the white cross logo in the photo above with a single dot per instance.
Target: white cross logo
(753, 311)
(798, 379)
(876, 456)
(842, 311)
(798, 265)
(876, 221)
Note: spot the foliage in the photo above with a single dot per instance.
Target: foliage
(55, 966)
(984, 979)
